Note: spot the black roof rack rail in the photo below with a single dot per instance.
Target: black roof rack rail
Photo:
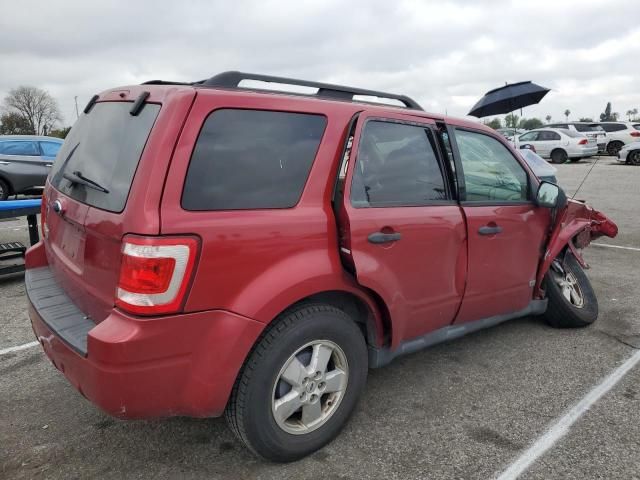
(232, 79)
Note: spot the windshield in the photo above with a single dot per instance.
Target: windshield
(103, 148)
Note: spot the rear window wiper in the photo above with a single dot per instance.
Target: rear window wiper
(77, 177)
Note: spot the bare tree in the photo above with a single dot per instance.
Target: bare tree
(38, 108)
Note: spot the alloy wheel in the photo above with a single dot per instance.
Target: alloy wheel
(569, 287)
(310, 387)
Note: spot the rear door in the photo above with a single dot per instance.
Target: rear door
(547, 141)
(402, 232)
(20, 162)
(506, 229)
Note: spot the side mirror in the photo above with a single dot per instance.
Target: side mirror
(550, 195)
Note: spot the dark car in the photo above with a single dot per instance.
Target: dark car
(209, 248)
(25, 162)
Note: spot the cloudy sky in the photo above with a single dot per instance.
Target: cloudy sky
(445, 54)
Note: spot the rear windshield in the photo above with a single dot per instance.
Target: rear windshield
(637, 126)
(251, 159)
(104, 147)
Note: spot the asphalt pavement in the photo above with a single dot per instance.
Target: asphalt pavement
(465, 409)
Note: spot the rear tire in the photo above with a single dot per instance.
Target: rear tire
(572, 301)
(614, 147)
(558, 156)
(281, 383)
(4, 190)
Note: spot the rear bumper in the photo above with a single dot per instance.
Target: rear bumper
(153, 367)
(585, 152)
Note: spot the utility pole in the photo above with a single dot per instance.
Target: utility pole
(76, 100)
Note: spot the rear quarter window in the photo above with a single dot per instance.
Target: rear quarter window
(251, 159)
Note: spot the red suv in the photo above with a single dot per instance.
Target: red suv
(215, 249)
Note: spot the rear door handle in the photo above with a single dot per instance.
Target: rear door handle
(379, 237)
(489, 230)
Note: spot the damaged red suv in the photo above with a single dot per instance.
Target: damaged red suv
(210, 248)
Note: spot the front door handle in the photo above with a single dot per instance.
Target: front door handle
(489, 230)
(380, 237)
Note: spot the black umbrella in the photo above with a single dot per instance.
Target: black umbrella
(508, 98)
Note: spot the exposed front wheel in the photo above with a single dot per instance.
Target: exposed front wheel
(572, 301)
(300, 384)
(634, 157)
(4, 190)
(559, 156)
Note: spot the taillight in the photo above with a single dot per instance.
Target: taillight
(155, 273)
(635, 134)
(584, 141)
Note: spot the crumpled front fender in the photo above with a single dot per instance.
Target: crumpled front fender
(575, 227)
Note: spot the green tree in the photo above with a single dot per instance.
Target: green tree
(494, 123)
(36, 106)
(511, 120)
(585, 119)
(567, 112)
(60, 132)
(607, 116)
(530, 123)
(548, 118)
(12, 123)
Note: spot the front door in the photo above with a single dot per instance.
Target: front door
(402, 232)
(506, 229)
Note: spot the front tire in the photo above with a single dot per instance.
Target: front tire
(559, 156)
(634, 158)
(4, 190)
(572, 301)
(300, 384)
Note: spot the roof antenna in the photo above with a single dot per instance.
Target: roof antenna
(585, 178)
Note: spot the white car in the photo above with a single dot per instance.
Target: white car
(558, 144)
(619, 134)
(540, 167)
(630, 153)
(590, 129)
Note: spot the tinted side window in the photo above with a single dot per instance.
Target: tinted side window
(613, 127)
(396, 166)
(50, 149)
(29, 149)
(491, 172)
(548, 136)
(251, 159)
(637, 127)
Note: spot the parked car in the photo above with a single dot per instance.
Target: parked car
(619, 134)
(590, 129)
(208, 249)
(559, 144)
(25, 161)
(539, 165)
(509, 133)
(630, 153)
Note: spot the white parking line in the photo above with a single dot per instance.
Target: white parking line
(615, 246)
(18, 348)
(559, 429)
